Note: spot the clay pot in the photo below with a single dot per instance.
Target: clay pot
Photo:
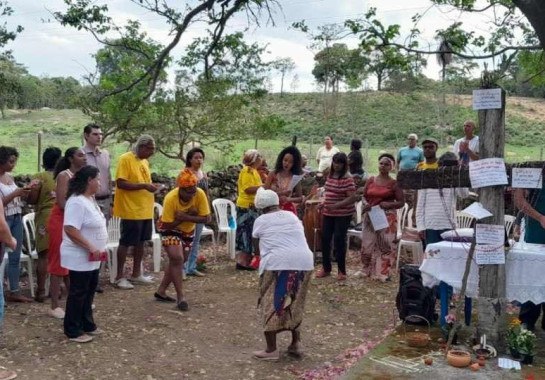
(428, 361)
(481, 360)
(475, 367)
(459, 358)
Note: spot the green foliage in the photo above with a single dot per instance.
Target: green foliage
(7, 35)
(120, 64)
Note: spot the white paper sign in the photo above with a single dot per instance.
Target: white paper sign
(490, 234)
(508, 363)
(486, 254)
(477, 211)
(487, 172)
(295, 179)
(487, 99)
(526, 178)
(378, 218)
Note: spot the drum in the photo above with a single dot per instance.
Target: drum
(312, 222)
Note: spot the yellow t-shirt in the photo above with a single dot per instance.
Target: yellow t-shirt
(133, 204)
(248, 177)
(172, 203)
(425, 166)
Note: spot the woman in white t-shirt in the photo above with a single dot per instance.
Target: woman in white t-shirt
(285, 270)
(83, 247)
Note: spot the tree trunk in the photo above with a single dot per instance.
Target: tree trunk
(282, 84)
(491, 301)
(534, 10)
(379, 81)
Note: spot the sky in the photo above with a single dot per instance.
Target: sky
(48, 49)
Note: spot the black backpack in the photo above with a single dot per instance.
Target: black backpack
(413, 298)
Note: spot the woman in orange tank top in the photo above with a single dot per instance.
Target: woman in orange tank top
(377, 251)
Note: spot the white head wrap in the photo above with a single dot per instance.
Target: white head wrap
(265, 198)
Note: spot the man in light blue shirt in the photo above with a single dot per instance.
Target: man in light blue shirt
(408, 157)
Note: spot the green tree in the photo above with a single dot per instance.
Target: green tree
(179, 16)
(120, 64)
(387, 60)
(6, 34)
(10, 81)
(284, 66)
(215, 98)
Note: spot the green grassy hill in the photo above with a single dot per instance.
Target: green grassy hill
(383, 119)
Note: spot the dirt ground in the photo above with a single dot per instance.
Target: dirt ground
(145, 339)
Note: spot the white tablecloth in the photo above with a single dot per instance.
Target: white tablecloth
(524, 266)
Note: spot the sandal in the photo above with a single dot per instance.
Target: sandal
(161, 298)
(183, 306)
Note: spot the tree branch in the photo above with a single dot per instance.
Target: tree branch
(462, 55)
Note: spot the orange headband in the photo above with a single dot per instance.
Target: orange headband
(186, 178)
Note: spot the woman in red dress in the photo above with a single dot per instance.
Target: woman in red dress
(74, 159)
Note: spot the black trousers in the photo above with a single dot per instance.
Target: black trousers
(78, 318)
(336, 227)
(529, 314)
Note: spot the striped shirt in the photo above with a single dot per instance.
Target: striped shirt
(432, 213)
(336, 190)
(15, 206)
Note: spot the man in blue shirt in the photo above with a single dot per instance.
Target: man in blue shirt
(409, 156)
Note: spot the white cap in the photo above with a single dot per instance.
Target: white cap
(265, 198)
(412, 135)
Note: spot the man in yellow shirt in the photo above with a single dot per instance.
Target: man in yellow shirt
(133, 204)
(183, 208)
(429, 146)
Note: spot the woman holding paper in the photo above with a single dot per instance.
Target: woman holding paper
(337, 210)
(285, 179)
(383, 198)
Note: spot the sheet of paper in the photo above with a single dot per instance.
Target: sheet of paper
(490, 234)
(486, 254)
(526, 178)
(508, 363)
(477, 211)
(378, 218)
(295, 179)
(488, 99)
(487, 172)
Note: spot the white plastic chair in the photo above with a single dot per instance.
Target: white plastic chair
(156, 239)
(401, 219)
(463, 220)
(29, 231)
(414, 246)
(352, 232)
(509, 221)
(221, 207)
(207, 231)
(3, 264)
(114, 232)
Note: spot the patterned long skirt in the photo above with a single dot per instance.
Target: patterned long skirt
(245, 224)
(378, 252)
(282, 296)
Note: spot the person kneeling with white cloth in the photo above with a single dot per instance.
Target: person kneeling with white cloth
(83, 248)
(285, 270)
